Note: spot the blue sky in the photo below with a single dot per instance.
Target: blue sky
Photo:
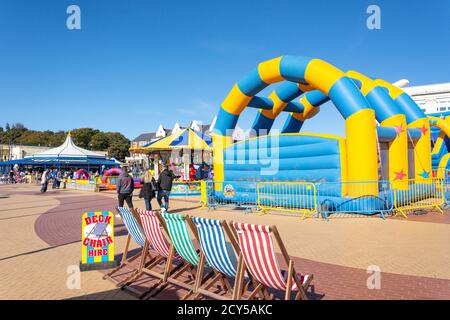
(135, 64)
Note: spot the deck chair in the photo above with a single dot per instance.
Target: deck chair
(177, 228)
(256, 244)
(226, 260)
(166, 253)
(135, 233)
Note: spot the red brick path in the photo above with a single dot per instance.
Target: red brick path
(63, 225)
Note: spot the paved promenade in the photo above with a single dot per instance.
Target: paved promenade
(40, 236)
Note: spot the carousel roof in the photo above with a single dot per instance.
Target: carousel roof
(184, 139)
(67, 149)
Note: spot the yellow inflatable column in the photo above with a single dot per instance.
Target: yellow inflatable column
(389, 115)
(227, 118)
(415, 119)
(444, 125)
(219, 144)
(398, 152)
(361, 139)
(422, 151)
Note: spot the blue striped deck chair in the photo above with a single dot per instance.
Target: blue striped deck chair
(177, 227)
(224, 257)
(136, 233)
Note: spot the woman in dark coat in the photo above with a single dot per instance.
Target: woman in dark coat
(148, 190)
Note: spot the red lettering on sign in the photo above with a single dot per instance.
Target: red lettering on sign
(98, 253)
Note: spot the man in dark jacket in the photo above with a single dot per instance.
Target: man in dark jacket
(125, 188)
(165, 181)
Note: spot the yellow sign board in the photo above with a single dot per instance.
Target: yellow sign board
(97, 240)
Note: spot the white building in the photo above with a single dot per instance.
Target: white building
(432, 98)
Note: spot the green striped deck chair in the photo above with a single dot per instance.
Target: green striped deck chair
(177, 227)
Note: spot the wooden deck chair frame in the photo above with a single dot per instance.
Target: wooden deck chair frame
(291, 272)
(202, 288)
(238, 287)
(148, 268)
(238, 294)
(128, 260)
(192, 270)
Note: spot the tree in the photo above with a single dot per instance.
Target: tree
(115, 143)
(56, 138)
(118, 151)
(13, 132)
(100, 141)
(82, 137)
(19, 126)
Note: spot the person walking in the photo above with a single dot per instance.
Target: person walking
(44, 181)
(125, 188)
(37, 177)
(148, 189)
(54, 180)
(58, 179)
(65, 177)
(165, 181)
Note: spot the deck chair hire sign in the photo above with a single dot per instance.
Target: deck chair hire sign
(97, 241)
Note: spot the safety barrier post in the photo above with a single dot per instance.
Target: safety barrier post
(203, 200)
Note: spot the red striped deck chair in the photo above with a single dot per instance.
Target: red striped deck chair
(163, 265)
(136, 233)
(258, 251)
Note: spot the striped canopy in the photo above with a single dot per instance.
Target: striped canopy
(185, 139)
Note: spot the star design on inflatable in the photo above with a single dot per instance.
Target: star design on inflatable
(423, 130)
(399, 175)
(398, 129)
(425, 174)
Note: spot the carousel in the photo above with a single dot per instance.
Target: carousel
(187, 153)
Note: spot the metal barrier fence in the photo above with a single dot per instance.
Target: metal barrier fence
(367, 198)
(447, 190)
(325, 198)
(83, 185)
(189, 191)
(297, 197)
(235, 194)
(445, 175)
(421, 194)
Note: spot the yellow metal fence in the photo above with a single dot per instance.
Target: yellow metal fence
(326, 198)
(294, 197)
(420, 194)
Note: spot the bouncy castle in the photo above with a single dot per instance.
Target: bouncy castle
(387, 138)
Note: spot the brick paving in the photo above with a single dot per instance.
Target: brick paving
(29, 267)
(53, 230)
(331, 282)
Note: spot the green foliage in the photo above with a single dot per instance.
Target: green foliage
(82, 137)
(92, 139)
(118, 151)
(12, 133)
